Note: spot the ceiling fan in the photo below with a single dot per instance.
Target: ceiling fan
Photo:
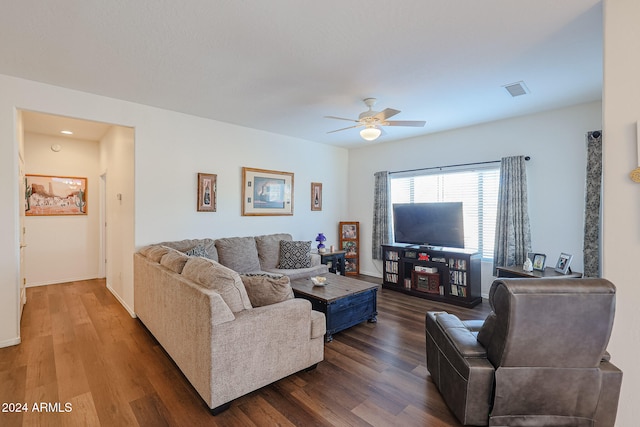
(372, 121)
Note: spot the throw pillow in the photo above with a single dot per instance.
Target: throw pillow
(220, 279)
(174, 260)
(295, 254)
(197, 250)
(267, 289)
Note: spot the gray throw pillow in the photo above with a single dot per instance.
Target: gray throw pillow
(267, 289)
(295, 254)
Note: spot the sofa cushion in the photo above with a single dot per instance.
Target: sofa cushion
(269, 249)
(154, 252)
(174, 260)
(205, 245)
(266, 289)
(239, 254)
(219, 278)
(295, 254)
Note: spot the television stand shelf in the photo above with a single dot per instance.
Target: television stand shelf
(418, 270)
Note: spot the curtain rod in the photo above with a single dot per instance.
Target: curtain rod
(453, 166)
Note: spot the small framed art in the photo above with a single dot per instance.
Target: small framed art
(316, 196)
(266, 192)
(564, 261)
(207, 190)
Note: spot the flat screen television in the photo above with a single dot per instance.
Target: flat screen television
(429, 224)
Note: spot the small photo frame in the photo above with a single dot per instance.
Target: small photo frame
(316, 196)
(538, 261)
(207, 191)
(564, 261)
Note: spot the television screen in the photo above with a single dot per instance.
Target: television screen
(429, 224)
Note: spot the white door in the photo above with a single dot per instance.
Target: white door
(23, 231)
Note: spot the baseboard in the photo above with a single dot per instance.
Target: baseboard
(10, 342)
(121, 301)
(59, 281)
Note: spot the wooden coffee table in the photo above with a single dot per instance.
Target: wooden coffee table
(344, 301)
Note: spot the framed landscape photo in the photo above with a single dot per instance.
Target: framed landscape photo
(562, 266)
(266, 192)
(316, 196)
(207, 191)
(47, 195)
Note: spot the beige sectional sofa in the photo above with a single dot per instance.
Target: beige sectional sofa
(229, 333)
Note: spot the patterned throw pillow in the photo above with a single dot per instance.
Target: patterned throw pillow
(295, 254)
(197, 250)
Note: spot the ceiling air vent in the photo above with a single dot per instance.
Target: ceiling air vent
(517, 89)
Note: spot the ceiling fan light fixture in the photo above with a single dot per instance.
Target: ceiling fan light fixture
(370, 133)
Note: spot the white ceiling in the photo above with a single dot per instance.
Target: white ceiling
(282, 65)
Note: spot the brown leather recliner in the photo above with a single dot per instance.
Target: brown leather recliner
(538, 359)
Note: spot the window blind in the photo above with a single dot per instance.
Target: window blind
(476, 188)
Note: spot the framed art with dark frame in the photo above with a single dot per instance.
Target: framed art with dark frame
(48, 195)
(207, 192)
(266, 192)
(564, 261)
(316, 196)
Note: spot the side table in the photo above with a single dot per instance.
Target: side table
(334, 260)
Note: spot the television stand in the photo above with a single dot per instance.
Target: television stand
(437, 273)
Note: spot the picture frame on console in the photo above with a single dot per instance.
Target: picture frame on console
(266, 192)
(538, 261)
(564, 262)
(207, 192)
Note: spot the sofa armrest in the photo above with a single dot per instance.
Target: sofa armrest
(261, 344)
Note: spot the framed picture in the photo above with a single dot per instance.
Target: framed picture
(316, 196)
(266, 192)
(538, 261)
(207, 191)
(55, 195)
(562, 266)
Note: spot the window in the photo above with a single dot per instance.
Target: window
(476, 188)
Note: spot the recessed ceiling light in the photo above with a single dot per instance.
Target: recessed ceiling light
(66, 132)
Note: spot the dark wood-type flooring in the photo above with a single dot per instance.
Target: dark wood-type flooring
(91, 364)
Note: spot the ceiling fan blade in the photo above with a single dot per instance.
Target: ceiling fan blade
(414, 123)
(340, 118)
(385, 114)
(338, 130)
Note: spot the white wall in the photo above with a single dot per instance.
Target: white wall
(170, 149)
(555, 140)
(117, 168)
(621, 106)
(63, 248)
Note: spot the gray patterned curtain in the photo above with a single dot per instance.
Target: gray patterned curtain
(381, 214)
(513, 233)
(593, 192)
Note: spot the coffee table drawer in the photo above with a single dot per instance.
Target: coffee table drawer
(350, 311)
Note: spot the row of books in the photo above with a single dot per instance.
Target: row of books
(393, 255)
(458, 277)
(391, 277)
(458, 264)
(391, 266)
(458, 291)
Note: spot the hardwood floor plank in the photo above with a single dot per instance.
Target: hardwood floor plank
(79, 346)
